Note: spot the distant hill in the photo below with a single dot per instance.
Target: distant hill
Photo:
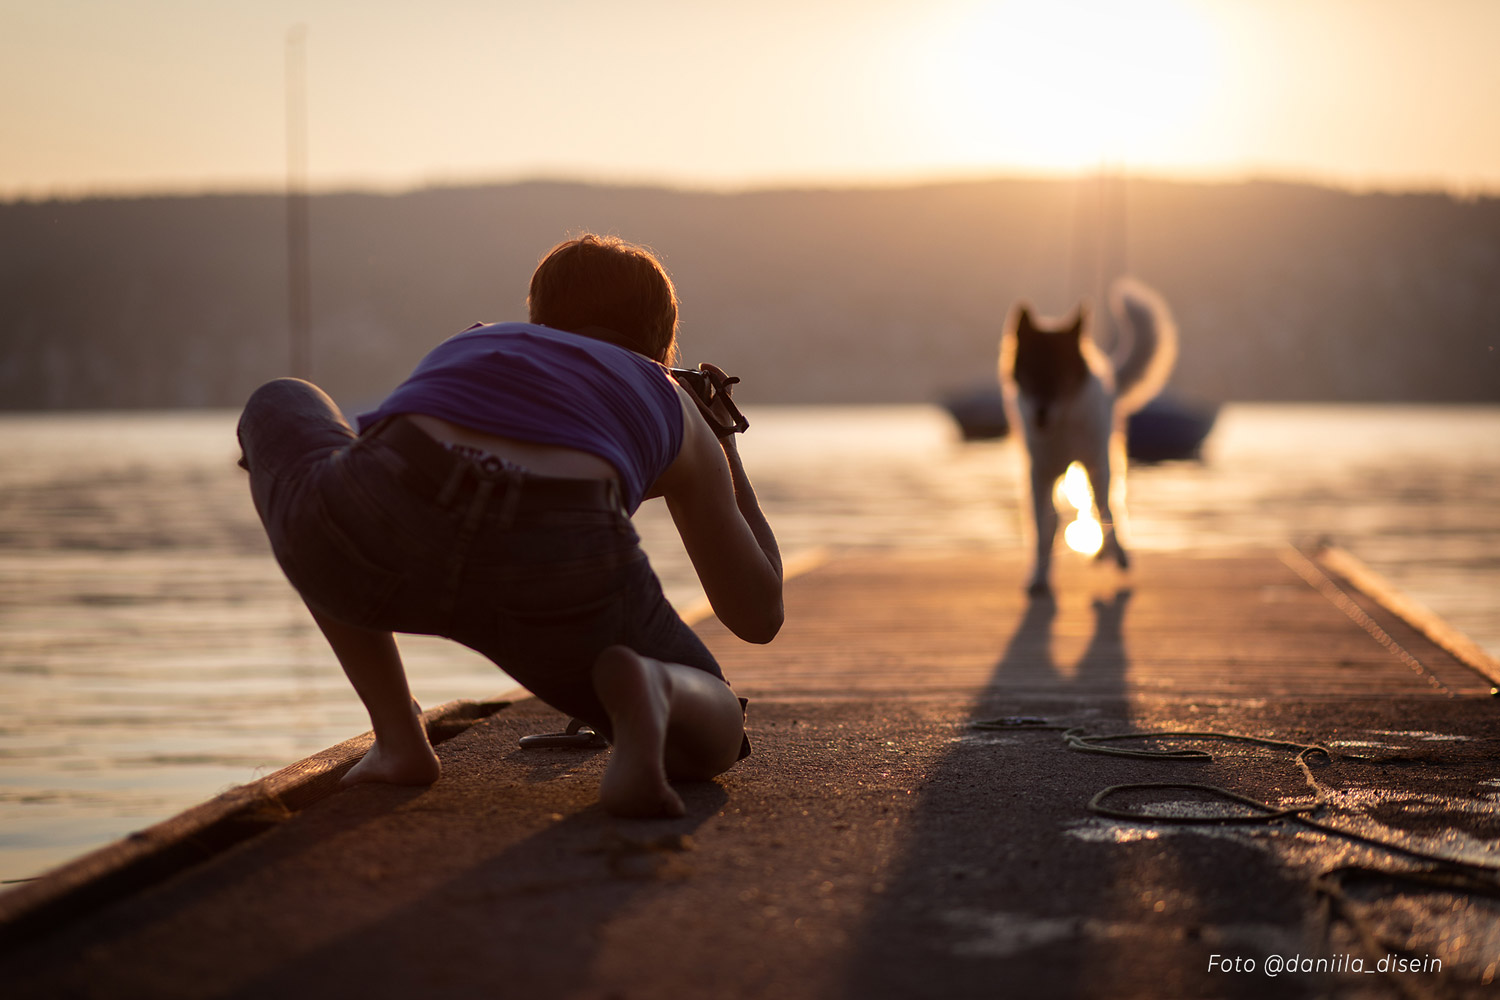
(1281, 291)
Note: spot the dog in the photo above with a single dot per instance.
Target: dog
(1071, 400)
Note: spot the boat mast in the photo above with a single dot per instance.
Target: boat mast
(299, 275)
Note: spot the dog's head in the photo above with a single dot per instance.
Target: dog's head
(1044, 360)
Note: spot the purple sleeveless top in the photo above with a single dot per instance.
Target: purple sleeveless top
(533, 383)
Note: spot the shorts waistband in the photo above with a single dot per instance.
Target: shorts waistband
(441, 467)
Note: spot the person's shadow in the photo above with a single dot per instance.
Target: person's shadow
(469, 934)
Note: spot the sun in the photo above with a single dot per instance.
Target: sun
(1068, 85)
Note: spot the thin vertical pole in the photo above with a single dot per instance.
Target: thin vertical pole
(1081, 249)
(299, 277)
(1123, 231)
(1101, 247)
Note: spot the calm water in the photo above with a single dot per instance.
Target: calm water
(151, 654)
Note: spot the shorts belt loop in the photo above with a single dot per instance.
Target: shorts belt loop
(476, 510)
(466, 532)
(450, 488)
(511, 500)
(616, 497)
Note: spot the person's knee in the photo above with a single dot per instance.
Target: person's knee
(283, 394)
(278, 406)
(265, 403)
(271, 398)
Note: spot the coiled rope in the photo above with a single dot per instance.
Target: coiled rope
(1441, 874)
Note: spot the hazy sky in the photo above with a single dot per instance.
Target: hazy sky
(187, 95)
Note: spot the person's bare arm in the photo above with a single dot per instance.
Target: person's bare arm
(726, 536)
(749, 506)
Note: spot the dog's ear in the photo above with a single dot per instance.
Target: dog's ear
(1023, 317)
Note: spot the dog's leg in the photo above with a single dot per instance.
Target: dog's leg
(1108, 496)
(1044, 515)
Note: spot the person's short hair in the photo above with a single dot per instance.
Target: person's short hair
(613, 286)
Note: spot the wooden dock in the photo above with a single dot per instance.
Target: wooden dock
(1275, 624)
(876, 844)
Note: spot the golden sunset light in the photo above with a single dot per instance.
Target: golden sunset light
(155, 95)
(603, 499)
(1084, 533)
(1068, 86)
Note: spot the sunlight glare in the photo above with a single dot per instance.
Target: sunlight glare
(1076, 490)
(1085, 534)
(1070, 84)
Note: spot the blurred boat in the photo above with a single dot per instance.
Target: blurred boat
(979, 412)
(1167, 429)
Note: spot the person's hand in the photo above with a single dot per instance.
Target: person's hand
(722, 409)
(710, 388)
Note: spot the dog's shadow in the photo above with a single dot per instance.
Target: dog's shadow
(983, 847)
(1030, 661)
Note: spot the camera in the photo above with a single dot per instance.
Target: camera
(696, 381)
(709, 385)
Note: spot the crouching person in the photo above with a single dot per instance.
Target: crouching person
(488, 500)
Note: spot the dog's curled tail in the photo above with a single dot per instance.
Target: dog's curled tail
(1150, 344)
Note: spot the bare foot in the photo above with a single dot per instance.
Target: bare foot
(380, 765)
(405, 758)
(637, 694)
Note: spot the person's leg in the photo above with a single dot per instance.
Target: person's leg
(565, 602)
(290, 431)
(401, 753)
(668, 721)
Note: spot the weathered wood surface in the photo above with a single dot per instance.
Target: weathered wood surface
(874, 845)
(1241, 625)
(1372, 585)
(159, 851)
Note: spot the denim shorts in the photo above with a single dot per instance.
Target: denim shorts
(393, 531)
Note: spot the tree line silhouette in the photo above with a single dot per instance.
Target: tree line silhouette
(1281, 291)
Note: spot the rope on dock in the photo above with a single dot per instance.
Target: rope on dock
(1076, 738)
(1438, 874)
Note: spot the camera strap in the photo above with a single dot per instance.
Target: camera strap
(708, 384)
